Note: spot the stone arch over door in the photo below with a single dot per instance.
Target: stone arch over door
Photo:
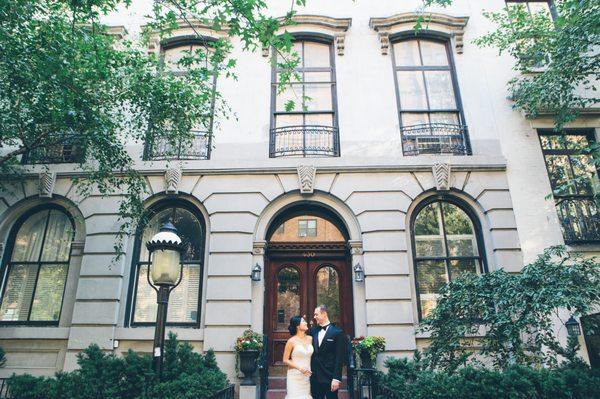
(331, 208)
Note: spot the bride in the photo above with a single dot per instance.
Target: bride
(296, 355)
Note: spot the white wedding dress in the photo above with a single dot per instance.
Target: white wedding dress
(298, 385)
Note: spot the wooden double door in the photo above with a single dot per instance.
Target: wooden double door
(296, 287)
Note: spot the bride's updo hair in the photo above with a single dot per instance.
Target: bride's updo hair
(294, 323)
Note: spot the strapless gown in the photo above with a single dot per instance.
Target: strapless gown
(298, 385)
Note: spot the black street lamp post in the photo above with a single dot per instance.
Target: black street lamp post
(164, 274)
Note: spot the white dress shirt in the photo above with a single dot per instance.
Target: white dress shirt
(321, 333)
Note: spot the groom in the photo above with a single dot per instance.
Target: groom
(328, 358)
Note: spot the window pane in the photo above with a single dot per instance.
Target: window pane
(183, 301)
(18, 292)
(576, 142)
(560, 172)
(328, 292)
(290, 93)
(412, 90)
(188, 228)
(431, 277)
(584, 168)
(410, 119)
(462, 266)
(318, 97)
(293, 227)
(288, 296)
(459, 231)
(145, 300)
(289, 120)
(28, 241)
(319, 120)
(444, 117)
(433, 53)
(296, 50)
(49, 293)
(406, 53)
(552, 142)
(173, 55)
(59, 235)
(317, 76)
(439, 88)
(316, 55)
(429, 239)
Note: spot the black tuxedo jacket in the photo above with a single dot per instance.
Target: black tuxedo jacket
(327, 360)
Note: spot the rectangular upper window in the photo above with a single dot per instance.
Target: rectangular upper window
(575, 185)
(534, 6)
(304, 110)
(431, 120)
(172, 53)
(307, 228)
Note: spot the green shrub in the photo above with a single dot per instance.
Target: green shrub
(186, 374)
(410, 379)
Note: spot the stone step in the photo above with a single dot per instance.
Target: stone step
(280, 394)
(278, 382)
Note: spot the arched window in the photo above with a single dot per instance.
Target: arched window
(184, 301)
(431, 118)
(36, 267)
(310, 127)
(446, 243)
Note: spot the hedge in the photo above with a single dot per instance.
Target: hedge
(407, 379)
(186, 374)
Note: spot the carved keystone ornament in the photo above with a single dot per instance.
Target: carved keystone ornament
(441, 175)
(46, 184)
(306, 178)
(172, 180)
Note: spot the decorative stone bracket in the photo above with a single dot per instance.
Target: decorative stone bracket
(335, 27)
(172, 180)
(441, 176)
(406, 22)
(47, 181)
(356, 247)
(258, 247)
(306, 178)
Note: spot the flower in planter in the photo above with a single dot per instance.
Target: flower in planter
(249, 340)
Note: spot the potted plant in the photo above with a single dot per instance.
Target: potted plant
(367, 349)
(247, 349)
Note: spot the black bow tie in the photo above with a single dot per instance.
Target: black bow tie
(323, 327)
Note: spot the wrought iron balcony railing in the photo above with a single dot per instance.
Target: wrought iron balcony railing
(68, 152)
(580, 221)
(435, 138)
(162, 150)
(304, 140)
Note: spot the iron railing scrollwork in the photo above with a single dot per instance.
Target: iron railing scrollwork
(162, 150)
(4, 388)
(304, 140)
(435, 138)
(66, 149)
(580, 220)
(263, 369)
(226, 393)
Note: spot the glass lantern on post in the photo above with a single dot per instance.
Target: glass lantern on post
(165, 272)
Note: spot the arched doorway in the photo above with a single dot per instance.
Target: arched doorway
(307, 264)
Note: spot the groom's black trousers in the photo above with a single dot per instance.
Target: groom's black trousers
(322, 391)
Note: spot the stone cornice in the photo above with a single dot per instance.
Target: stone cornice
(392, 168)
(117, 31)
(186, 28)
(337, 25)
(405, 22)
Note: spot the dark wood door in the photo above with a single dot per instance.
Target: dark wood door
(296, 287)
